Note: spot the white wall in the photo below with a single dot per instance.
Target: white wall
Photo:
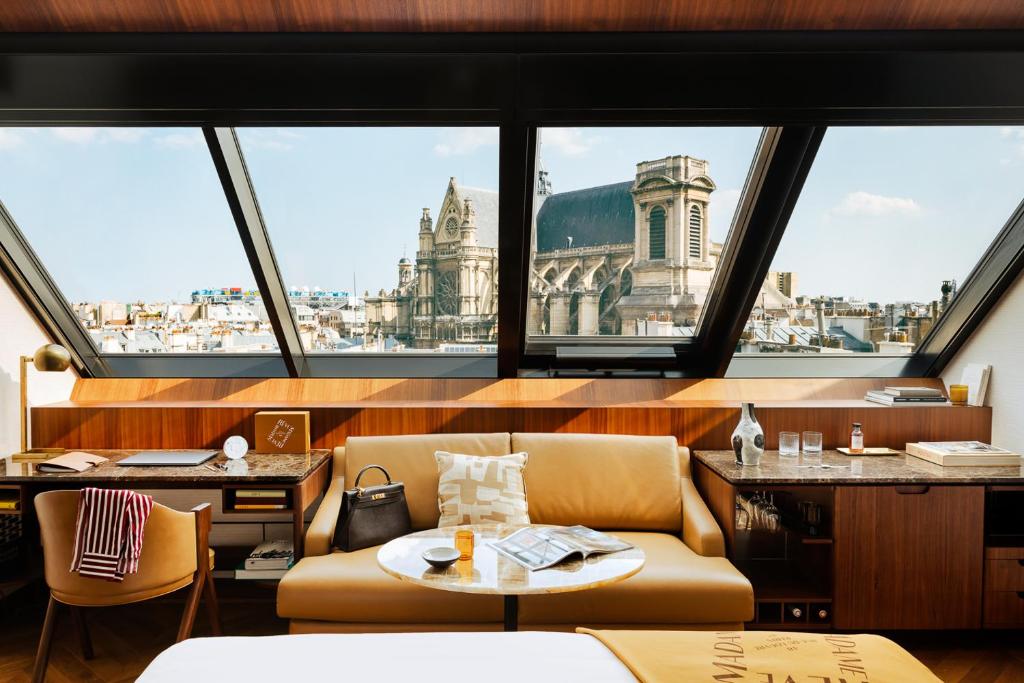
(21, 335)
(999, 342)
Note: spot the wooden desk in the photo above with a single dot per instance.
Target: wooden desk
(902, 544)
(302, 476)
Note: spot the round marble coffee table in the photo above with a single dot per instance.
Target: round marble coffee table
(491, 573)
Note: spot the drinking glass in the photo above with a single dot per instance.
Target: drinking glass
(789, 444)
(812, 445)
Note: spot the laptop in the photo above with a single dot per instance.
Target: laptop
(167, 458)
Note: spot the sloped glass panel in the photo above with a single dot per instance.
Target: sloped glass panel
(629, 225)
(134, 229)
(387, 238)
(890, 222)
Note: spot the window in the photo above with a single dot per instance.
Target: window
(657, 233)
(890, 222)
(133, 227)
(696, 232)
(620, 217)
(387, 238)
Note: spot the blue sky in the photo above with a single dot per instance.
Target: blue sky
(124, 214)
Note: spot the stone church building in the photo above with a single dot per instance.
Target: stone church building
(605, 260)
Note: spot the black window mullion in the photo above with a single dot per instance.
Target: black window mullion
(241, 197)
(780, 167)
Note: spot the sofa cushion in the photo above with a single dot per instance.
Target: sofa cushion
(351, 587)
(477, 489)
(604, 481)
(410, 460)
(676, 586)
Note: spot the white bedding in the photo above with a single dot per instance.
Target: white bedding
(523, 657)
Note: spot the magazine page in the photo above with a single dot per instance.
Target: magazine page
(591, 541)
(536, 548)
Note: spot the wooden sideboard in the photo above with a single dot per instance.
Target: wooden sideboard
(901, 545)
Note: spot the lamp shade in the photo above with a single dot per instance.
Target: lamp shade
(52, 358)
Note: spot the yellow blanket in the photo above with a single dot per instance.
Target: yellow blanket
(762, 657)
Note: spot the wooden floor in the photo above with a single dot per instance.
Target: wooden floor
(127, 638)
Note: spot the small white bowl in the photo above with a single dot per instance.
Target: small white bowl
(442, 557)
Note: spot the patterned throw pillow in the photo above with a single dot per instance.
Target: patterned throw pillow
(477, 489)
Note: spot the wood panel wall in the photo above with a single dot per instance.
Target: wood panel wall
(476, 15)
(157, 414)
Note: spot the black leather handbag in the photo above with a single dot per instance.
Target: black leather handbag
(373, 515)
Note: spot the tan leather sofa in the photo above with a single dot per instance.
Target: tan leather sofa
(638, 487)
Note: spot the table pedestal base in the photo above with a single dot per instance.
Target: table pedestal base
(511, 612)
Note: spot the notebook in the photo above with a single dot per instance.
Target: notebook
(74, 461)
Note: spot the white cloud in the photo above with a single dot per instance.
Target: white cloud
(86, 135)
(277, 139)
(180, 140)
(568, 141)
(862, 203)
(79, 136)
(1016, 135)
(466, 141)
(9, 139)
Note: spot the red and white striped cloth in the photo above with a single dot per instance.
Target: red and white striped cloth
(108, 532)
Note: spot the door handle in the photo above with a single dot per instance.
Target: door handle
(911, 490)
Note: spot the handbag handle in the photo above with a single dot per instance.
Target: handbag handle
(372, 467)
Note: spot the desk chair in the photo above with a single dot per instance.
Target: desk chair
(175, 554)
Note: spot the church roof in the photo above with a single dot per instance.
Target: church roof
(485, 204)
(592, 216)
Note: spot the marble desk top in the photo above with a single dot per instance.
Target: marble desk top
(283, 468)
(491, 573)
(876, 469)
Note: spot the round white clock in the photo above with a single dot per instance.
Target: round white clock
(236, 447)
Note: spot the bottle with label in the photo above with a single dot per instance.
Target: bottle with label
(856, 439)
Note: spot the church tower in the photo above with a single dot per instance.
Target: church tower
(672, 262)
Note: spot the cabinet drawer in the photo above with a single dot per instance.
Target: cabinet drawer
(1004, 575)
(1004, 609)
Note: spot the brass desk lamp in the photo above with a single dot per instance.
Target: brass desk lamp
(49, 358)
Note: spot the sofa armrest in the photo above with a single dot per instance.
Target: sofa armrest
(700, 530)
(320, 533)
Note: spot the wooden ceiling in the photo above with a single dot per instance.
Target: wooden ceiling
(504, 15)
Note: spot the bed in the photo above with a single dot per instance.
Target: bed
(540, 657)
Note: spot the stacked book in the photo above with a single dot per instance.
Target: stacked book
(964, 454)
(907, 396)
(268, 561)
(261, 499)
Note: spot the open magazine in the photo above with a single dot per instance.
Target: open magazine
(541, 547)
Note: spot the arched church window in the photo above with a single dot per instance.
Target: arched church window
(656, 237)
(695, 231)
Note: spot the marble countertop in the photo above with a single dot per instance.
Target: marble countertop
(835, 468)
(255, 467)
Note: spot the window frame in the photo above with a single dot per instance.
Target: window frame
(520, 83)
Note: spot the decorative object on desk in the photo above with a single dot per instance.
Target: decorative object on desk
(964, 454)
(958, 394)
(480, 489)
(75, 461)
(48, 358)
(282, 431)
(856, 439)
(236, 447)
(441, 557)
(812, 445)
(237, 468)
(748, 438)
(976, 376)
(464, 543)
(903, 396)
(871, 450)
(789, 445)
(373, 515)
